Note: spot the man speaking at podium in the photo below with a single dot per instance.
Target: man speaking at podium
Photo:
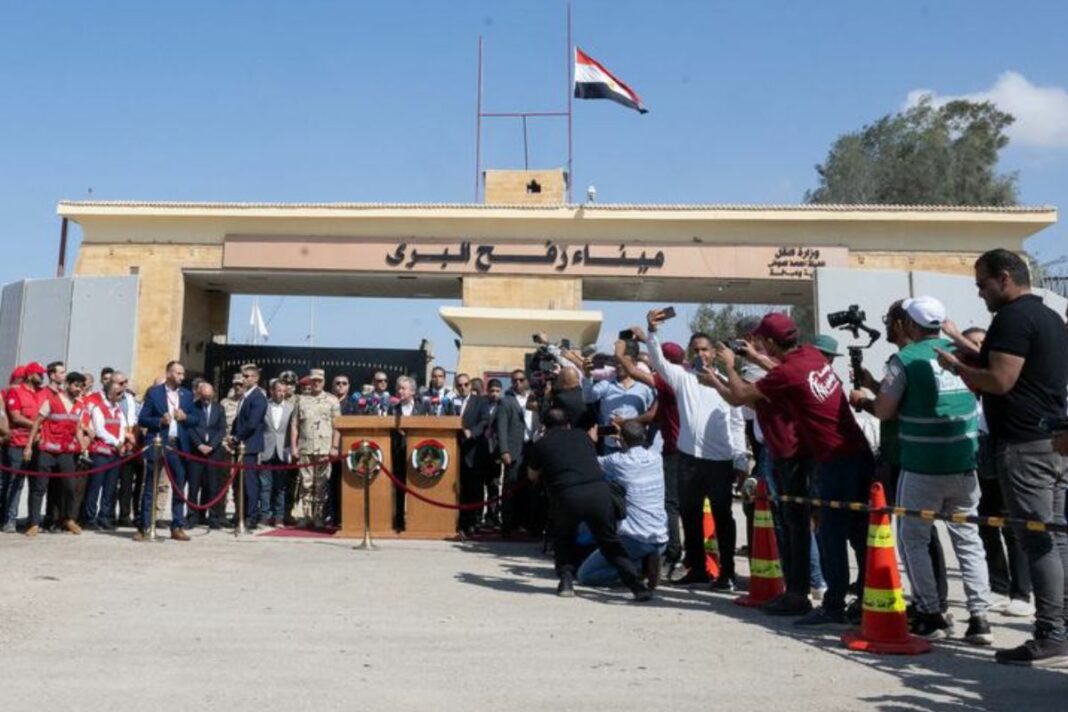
(403, 404)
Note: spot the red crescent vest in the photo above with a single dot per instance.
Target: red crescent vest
(60, 428)
(112, 424)
(25, 400)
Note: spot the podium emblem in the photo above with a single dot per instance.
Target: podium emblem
(430, 459)
(365, 458)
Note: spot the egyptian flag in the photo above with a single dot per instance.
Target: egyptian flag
(593, 81)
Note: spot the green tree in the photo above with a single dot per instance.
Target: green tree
(720, 321)
(925, 155)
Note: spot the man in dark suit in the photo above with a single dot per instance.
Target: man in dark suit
(474, 417)
(248, 429)
(516, 426)
(206, 481)
(405, 404)
(486, 452)
(169, 412)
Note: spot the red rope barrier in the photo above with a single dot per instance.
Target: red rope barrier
(175, 489)
(77, 473)
(466, 507)
(263, 468)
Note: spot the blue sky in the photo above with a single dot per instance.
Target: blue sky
(362, 101)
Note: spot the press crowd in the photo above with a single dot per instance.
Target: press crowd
(625, 451)
(611, 457)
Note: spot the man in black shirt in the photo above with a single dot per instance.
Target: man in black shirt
(566, 462)
(1022, 375)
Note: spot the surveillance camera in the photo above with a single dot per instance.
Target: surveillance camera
(591, 194)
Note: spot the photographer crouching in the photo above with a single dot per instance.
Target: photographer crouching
(565, 461)
(643, 531)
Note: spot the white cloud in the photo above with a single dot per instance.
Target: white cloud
(1041, 112)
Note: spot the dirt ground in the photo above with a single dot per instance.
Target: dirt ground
(96, 622)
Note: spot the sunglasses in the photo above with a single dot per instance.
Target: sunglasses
(381, 380)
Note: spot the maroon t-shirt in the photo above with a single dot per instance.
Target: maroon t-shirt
(667, 414)
(806, 386)
(779, 430)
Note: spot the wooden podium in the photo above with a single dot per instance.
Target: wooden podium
(422, 520)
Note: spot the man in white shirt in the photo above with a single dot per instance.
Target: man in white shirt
(111, 440)
(711, 450)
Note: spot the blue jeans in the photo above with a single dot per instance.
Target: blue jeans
(597, 571)
(100, 489)
(815, 573)
(273, 490)
(177, 505)
(11, 487)
(844, 479)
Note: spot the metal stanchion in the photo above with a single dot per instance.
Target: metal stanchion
(240, 530)
(367, 456)
(157, 446)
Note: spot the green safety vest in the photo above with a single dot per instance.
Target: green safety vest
(938, 419)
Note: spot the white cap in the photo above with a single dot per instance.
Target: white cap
(928, 312)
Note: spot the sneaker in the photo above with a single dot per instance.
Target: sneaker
(978, 632)
(9, 528)
(1036, 653)
(788, 604)
(822, 618)
(855, 612)
(641, 592)
(1019, 608)
(691, 578)
(932, 626)
(816, 593)
(566, 587)
(723, 585)
(33, 530)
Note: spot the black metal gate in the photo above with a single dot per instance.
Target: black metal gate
(222, 361)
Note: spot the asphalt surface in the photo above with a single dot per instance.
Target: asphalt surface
(97, 622)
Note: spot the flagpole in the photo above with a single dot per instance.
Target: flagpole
(478, 121)
(570, 90)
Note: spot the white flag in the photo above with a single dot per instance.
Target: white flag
(259, 328)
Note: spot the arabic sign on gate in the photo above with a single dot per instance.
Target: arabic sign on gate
(677, 260)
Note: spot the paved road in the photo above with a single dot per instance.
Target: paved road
(97, 622)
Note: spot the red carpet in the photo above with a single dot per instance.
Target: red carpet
(295, 533)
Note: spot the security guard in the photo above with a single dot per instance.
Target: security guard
(232, 400)
(314, 436)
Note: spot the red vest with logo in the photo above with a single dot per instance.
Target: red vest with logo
(113, 426)
(25, 400)
(60, 429)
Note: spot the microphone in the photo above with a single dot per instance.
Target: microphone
(361, 405)
(435, 405)
(394, 401)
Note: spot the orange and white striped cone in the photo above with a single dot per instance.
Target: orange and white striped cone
(708, 527)
(765, 570)
(884, 626)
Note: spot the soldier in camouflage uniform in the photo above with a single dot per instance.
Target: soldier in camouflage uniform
(314, 436)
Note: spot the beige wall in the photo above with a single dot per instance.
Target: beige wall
(511, 187)
(959, 263)
(523, 292)
(162, 299)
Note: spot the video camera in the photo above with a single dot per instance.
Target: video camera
(852, 320)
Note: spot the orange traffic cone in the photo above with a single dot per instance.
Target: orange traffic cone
(884, 626)
(708, 526)
(765, 571)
